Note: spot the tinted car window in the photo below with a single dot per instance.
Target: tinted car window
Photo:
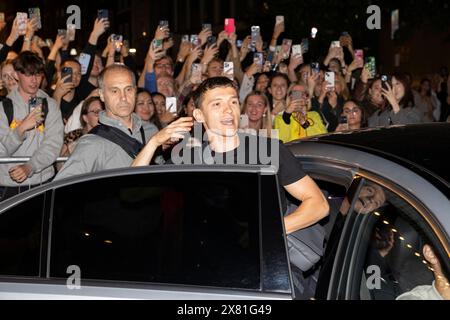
(20, 238)
(182, 228)
(394, 236)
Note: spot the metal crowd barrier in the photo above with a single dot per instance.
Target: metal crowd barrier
(26, 159)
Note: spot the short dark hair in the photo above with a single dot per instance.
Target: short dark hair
(71, 60)
(28, 63)
(209, 84)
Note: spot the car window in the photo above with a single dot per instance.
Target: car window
(178, 228)
(20, 238)
(393, 239)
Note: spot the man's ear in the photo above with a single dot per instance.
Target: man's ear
(198, 115)
(100, 93)
(269, 89)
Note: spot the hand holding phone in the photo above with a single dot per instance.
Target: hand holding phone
(102, 14)
(229, 26)
(35, 13)
(71, 32)
(343, 122)
(243, 121)
(67, 71)
(171, 104)
(329, 79)
(228, 70)
(196, 76)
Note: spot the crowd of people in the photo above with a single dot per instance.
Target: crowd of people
(102, 112)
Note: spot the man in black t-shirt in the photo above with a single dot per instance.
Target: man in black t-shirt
(218, 109)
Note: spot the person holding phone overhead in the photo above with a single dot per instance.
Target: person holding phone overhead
(41, 141)
(297, 121)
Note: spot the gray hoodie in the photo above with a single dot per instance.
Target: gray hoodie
(42, 147)
(94, 153)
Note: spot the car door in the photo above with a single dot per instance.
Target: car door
(166, 234)
(381, 254)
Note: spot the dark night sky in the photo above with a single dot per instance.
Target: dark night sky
(426, 20)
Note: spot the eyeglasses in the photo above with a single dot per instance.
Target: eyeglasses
(354, 110)
(96, 111)
(163, 65)
(297, 94)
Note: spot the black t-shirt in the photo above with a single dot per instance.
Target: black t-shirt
(252, 150)
(67, 107)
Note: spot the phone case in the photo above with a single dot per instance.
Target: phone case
(296, 49)
(84, 60)
(71, 31)
(196, 73)
(22, 23)
(66, 71)
(171, 104)
(35, 12)
(315, 67)
(229, 25)
(228, 69)
(286, 47)
(335, 44)
(359, 54)
(279, 19)
(102, 14)
(258, 58)
(305, 45)
(243, 121)
(157, 44)
(329, 78)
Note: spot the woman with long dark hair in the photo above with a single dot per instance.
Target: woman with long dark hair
(401, 109)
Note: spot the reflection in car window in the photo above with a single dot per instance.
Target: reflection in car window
(183, 228)
(394, 261)
(20, 238)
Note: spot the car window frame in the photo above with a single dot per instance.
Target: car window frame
(350, 281)
(45, 213)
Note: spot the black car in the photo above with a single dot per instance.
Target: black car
(216, 232)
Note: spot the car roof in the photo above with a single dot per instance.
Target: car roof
(423, 148)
